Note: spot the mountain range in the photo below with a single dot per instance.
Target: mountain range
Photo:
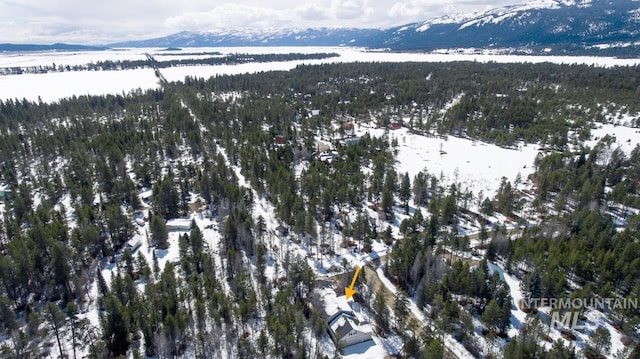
(557, 26)
(575, 27)
(52, 47)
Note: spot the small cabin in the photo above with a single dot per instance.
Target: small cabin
(133, 244)
(180, 224)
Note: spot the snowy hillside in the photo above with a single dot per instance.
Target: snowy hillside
(544, 26)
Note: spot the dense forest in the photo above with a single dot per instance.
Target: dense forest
(200, 59)
(75, 171)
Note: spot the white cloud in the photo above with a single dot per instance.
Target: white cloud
(313, 12)
(421, 8)
(233, 15)
(228, 15)
(402, 9)
(350, 9)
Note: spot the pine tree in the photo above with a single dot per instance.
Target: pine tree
(165, 198)
(400, 308)
(531, 286)
(159, 233)
(492, 315)
(382, 311)
(7, 316)
(72, 317)
(433, 350)
(56, 320)
(405, 188)
(486, 207)
(310, 229)
(102, 284)
(261, 227)
(601, 341)
(263, 344)
(115, 331)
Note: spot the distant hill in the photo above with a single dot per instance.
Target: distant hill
(261, 37)
(600, 27)
(53, 47)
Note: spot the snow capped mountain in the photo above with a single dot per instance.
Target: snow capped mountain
(543, 26)
(495, 15)
(264, 37)
(540, 26)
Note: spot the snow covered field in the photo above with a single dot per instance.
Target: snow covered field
(51, 87)
(627, 138)
(478, 166)
(71, 58)
(54, 86)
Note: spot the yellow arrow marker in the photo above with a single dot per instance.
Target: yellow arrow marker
(348, 291)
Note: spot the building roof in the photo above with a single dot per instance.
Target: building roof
(342, 326)
(179, 223)
(345, 323)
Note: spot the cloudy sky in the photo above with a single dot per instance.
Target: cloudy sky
(97, 22)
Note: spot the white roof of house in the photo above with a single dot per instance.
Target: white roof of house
(179, 223)
(135, 242)
(146, 194)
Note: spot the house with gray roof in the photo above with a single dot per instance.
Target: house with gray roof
(345, 330)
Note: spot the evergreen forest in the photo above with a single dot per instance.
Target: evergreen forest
(84, 176)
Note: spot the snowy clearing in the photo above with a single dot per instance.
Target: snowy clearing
(476, 165)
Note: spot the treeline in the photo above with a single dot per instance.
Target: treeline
(501, 103)
(110, 65)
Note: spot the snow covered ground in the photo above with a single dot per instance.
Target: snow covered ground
(594, 318)
(71, 58)
(627, 138)
(53, 86)
(476, 165)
